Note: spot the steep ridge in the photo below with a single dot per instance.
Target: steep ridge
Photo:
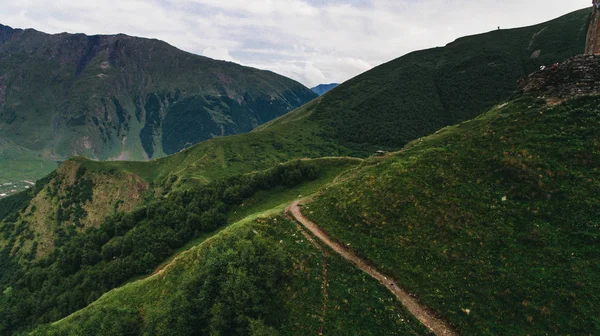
(275, 276)
(86, 258)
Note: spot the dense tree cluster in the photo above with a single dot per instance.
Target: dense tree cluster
(84, 265)
(231, 290)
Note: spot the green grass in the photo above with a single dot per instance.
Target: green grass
(498, 215)
(355, 301)
(437, 207)
(196, 213)
(229, 156)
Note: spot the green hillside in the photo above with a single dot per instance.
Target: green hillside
(127, 98)
(479, 221)
(55, 266)
(386, 107)
(497, 216)
(417, 94)
(491, 223)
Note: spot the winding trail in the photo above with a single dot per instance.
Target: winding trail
(423, 314)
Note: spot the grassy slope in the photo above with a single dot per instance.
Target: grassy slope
(264, 204)
(310, 131)
(498, 215)
(19, 231)
(98, 193)
(115, 190)
(355, 301)
(419, 93)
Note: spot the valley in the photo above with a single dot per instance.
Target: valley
(9, 188)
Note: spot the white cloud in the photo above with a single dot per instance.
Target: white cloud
(313, 41)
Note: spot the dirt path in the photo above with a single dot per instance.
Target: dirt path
(428, 319)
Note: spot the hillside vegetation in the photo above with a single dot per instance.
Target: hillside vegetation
(492, 223)
(228, 156)
(386, 107)
(84, 262)
(256, 278)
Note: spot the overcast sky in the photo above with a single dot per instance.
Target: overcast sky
(312, 41)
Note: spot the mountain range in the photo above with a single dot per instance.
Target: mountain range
(462, 177)
(119, 97)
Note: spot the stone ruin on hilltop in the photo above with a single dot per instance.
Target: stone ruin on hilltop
(577, 76)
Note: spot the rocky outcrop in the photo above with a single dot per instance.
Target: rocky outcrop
(592, 42)
(578, 76)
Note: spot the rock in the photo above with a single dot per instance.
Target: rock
(577, 76)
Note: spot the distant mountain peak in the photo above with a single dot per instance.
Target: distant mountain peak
(324, 88)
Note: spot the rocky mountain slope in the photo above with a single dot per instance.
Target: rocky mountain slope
(122, 97)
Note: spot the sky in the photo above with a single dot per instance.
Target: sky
(311, 41)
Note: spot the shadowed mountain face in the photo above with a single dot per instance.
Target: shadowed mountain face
(122, 97)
